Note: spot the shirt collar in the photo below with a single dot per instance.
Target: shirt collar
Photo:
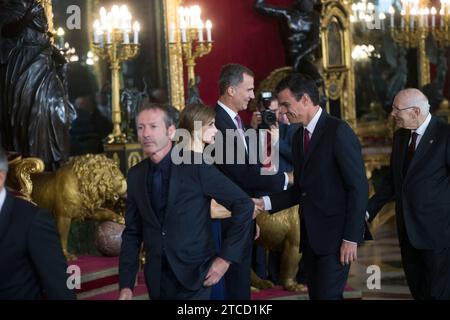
(2, 198)
(164, 164)
(421, 130)
(230, 112)
(312, 124)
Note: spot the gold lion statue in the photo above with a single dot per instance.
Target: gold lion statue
(79, 190)
(281, 232)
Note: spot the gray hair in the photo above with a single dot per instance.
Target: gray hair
(3, 161)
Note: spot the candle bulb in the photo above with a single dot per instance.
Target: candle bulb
(426, 13)
(172, 33)
(126, 37)
(402, 21)
(433, 17)
(392, 12)
(96, 29)
(136, 28)
(200, 31)
(60, 33)
(108, 35)
(208, 31)
(183, 31)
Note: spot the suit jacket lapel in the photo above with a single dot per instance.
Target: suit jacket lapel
(425, 143)
(315, 138)
(5, 214)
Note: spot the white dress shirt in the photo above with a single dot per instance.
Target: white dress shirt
(421, 130)
(2, 198)
(233, 115)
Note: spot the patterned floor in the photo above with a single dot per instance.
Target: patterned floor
(383, 252)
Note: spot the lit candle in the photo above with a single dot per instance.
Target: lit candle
(136, 28)
(126, 37)
(402, 21)
(433, 17)
(412, 17)
(172, 33)
(96, 29)
(441, 13)
(115, 16)
(421, 13)
(382, 17)
(392, 12)
(183, 31)
(60, 33)
(108, 35)
(426, 13)
(200, 31)
(208, 31)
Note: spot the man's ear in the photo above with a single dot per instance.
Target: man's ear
(171, 131)
(231, 91)
(2, 179)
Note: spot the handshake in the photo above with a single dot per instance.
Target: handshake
(259, 206)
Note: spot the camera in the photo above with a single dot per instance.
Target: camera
(269, 117)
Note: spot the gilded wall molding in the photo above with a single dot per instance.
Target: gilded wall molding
(176, 81)
(339, 75)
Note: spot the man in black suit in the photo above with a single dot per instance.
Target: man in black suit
(172, 218)
(329, 184)
(236, 85)
(419, 182)
(32, 263)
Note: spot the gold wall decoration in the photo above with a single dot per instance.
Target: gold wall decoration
(47, 4)
(134, 158)
(176, 82)
(337, 61)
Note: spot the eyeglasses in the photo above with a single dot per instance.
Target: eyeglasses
(397, 109)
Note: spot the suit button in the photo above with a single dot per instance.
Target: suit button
(303, 194)
(163, 233)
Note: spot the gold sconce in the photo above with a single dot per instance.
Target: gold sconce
(112, 43)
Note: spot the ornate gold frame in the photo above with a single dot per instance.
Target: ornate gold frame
(339, 80)
(176, 81)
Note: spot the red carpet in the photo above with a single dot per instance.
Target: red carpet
(99, 281)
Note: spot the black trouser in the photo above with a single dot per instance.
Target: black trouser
(172, 289)
(326, 275)
(427, 271)
(237, 278)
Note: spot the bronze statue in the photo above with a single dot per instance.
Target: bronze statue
(81, 189)
(303, 26)
(35, 113)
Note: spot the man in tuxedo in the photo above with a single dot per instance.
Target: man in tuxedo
(329, 184)
(32, 263)
(236, 85)
(419, 182)
(168, 209)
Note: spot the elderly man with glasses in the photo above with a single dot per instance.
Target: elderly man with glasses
(419, 182)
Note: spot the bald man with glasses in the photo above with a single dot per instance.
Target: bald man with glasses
(419, 182)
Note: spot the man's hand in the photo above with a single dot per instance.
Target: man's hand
(348, 252)
(259, 203)
(216, 271)
(256, 120)
(258, 232)
(290, 177)
(126, 294)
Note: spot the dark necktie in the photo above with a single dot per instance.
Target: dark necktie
(412, 146)
(305, 140)
(157, 191)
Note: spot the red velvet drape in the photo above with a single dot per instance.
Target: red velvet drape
(240, 35)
